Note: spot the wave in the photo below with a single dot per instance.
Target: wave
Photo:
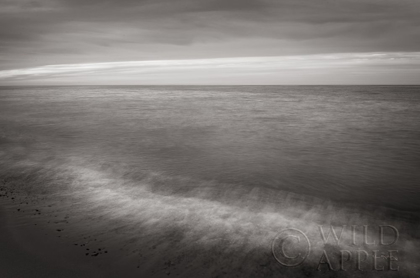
(203, 223)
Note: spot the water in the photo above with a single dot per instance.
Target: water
(352, 144)
(209, 176)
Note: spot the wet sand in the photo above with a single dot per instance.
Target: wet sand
(38, 240)
(29, 249)
(28, 253)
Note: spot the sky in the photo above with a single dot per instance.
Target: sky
(209, 42)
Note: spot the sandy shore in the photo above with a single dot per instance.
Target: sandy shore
(29, 250)
(36, 242)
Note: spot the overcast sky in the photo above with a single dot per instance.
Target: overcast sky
(209, 42)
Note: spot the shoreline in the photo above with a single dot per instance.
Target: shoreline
(20, 249)
(36, 242)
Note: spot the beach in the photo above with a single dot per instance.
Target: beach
(33, 253)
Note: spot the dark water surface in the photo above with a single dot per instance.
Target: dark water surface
(356, 144)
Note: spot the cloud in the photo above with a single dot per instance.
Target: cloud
(41, 32)
(277, 70)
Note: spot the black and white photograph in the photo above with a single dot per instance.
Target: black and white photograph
(209, 138)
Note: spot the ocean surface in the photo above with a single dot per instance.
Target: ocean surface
(347, 144)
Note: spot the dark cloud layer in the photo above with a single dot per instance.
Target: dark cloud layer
(42, 32)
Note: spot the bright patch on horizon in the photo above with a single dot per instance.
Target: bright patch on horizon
(279, 67)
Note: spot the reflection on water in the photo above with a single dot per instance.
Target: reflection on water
(358, 144)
